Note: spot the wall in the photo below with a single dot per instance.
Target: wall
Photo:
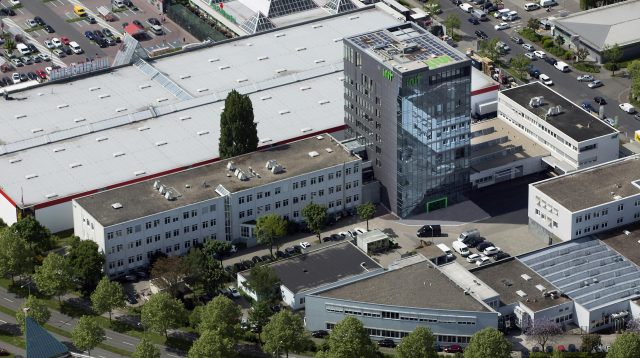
(320, 311)
(530, 165)
(56, 218)
(7, 211)
(557, 219)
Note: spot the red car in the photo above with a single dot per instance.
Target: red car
(41, 74)
(561, 348)
(454, 348)
(65, 40)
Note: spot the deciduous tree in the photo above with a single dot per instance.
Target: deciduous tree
(488, 342)
(222, 316)
(87, 263)
(53, 277)
(203, 273)
(212, 345)
(590, 342)
(87, 334)
(418, 344)
(520, 64)
(284, 333)
(366, 211)
(36, 309)
(490, 49)
(38, 236)
(269, 229)
(432, 7)
(315, 215)
(559, 40)
(264, 282)
(452, 23)
(626, 345)
(581, 54)
(15, 254)
(612, 55)
(349, 339)
(533, 23)
(107, 296)
(238, 131)
(162, 312)
(541, 331)
(259, 314)
(168, 272)
(146, 349)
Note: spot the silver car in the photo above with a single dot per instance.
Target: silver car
(528, 47)
(595, 84)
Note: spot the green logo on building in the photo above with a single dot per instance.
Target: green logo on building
(388, 74)
(413, 80)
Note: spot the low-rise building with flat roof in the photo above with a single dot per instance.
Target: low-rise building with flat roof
(218, 201)
(587, 201)
(500, 152)
(575, 138)
(318, 269)
(392, 304)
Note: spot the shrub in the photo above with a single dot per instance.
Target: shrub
(530, 35)
(587, 67)
(548, 44)
(568, 55)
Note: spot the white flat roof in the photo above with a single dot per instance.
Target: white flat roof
(112, 147)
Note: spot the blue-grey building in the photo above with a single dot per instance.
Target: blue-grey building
(408, 103)
(393, 303)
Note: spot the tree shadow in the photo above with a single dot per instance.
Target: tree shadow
(10, 329)
(75, 307)
(126, 323)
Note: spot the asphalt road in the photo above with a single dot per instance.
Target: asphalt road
(67, 323)
(615, 90)
(63, 28)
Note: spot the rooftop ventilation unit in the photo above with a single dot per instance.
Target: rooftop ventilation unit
(231, 165)
(525, 277)
(270, 164)
(116, 206)
(241, 175)
(329, 150)
(277, 169)
(169, 195)
(156, 184)
(410, 47)
(554, 111)
(162, 189)
(313, 154)
(521, 293)
(536, 101)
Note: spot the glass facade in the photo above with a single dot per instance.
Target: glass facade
(433, 127)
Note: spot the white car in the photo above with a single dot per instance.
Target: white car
(545, 79)
(531, 6)
(491, 250)
(56, 41)
(530, 56)
(233, 292)
(15, 77)
(305, 244)
(501, 26)
(528, 47)
(585, 78)
(540, 54)
(609, 121)
(44, 57)
(483, 260)
(473, 258)
(627, 107)
(14, 2)
(49, 44)
(48, 70)
(595, 84)
(31, 23)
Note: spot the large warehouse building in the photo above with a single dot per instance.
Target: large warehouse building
(603, 27)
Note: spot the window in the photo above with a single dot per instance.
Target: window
(303, 183)
(321, 192)
(347, 186)
(156, 238)
(167, 220)
(249, 198)
(241, 200)
(176, 247)
(330, 176)
(355, 183)
(348, 199)
(241, 214)
(331, 190)
(138, 242)
(167, 235)
(338, 202)
(295, 200)
(356, 197)
(620, 219)
(149, 240)
(303, 197)
(156, 222)
(147, 225)
(205, 224)
(118, 233)
(277, 204)
(176, 232)
(338, 188)
(139, 257)
(167, 249)
(194, 213)
(356, 168)
(285, 202)
(347, 171)
(212, 222)
(259, 196)
(320, 178)
(132, 259)
(267, 207)
(296, 214)
(109, 235)
(249, 212)
(212, 207)
(185, 229)
(194, 227)
(185, 215)
(620, 207)
(313, 181)
(138, 228)
(267, 194)
(295, 185)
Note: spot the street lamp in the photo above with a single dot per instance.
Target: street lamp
(28, 284)
(277, 352)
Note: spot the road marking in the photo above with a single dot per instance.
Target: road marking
(131, 344)
(61, 3)
(66, 323)
(3, 321)
(107, 337)
(6, 299)
(172, 355)
(166, 29)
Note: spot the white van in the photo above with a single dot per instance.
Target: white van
(156, 29)
(561, 66)
(498, 14)
(530, 6)
(466, 7)
(480, 15)
(75, 47)
(447, 251)
(510, 16)
(461, 248)
(24, 50)
(545, 3)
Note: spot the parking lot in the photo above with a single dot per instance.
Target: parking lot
(51, 27)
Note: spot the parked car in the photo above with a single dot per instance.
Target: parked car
(49, 29)
(483, 261)
(305, 245)
(540, 54)
(15, 77)
(528, 47)
(501, 26)
(23, 77)
(585, 78)
(600, 100)
(595, 84)
(387, 342)
(131, 298)
(500, 256)
(31, 23)
(98, 34)
(491, 250)
(530, 56)
(64, 40)
(39, 21)
(454, 348)
(321, 333)
(474, 20)
(107, 32)
(17, 62)
(546, 79)
(32, 76)
(49, 44)
(233, 292)
(153, 21)
(481, 34)
(138, 23)
(45, 57)
(572, 348)
(89, 35)
(473, 258)
(484, 245)
(609, 121)
(516, 39)
(256, 259)
(56, 41)
(430, 231)
(336, 237)
(290, 251)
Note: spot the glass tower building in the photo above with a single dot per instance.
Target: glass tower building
(407, 100)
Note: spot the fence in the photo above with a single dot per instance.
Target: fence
(192, 23)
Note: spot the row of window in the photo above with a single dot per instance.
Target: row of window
(396, 315)
(259, 195)
(388, 333)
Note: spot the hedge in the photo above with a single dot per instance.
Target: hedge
(568, 355)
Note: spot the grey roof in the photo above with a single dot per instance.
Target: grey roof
(506, 277)
(573, 121)
(588, 271)
(607, 25)
(406, 47)
(141, 199)
(40, 343)
(420, 285)
(594, 186)
(625, 240)
(52, 135)
(321, 266)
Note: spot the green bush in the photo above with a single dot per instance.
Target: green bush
(587, 67)
(548, 44)
(530, 35)
(568, 55)
(612, 66)
(556, 51)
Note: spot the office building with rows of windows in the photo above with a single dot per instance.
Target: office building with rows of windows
(391, 304)
(407, 101)
(587, 201)
(218, 201)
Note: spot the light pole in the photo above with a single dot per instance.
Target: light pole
(28, 284)
(277, 352)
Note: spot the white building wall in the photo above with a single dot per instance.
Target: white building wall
(549, 215)
(7, 211)
(560, 145)
(495, 175)
(57, 217)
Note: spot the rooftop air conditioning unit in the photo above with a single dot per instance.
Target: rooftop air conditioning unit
(277, 169)
(536, 101)
(242, 176)
(231, 165)
(156, 184)
(116, 205)
(169, 195)
(162, 189)
(270, 164)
